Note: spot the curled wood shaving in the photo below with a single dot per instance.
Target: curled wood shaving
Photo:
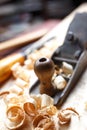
(43, 100)
(11, 100)
(49, 126)
(43, 121)
(30, 109)
(16, 90)
(38, 129)
(15, 117)
(65, 115)
(73, 110)
(67, 68)
(37, 119)
(50, 110)
(21, 83)
(19, 71)
(39, 110)
(46, 100)
(4, 93)
(37, 98)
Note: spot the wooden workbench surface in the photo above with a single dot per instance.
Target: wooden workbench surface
(78, 97)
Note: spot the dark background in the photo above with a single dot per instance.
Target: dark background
(44, 8)
(17, 15)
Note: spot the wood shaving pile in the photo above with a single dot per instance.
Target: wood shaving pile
(21, 111)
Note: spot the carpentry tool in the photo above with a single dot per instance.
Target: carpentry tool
(7, 62)
(12, 44)
(44, 69)
(74, 52)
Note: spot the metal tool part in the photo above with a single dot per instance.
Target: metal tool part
(74, 52)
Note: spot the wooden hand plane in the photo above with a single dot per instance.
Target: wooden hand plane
(73, 51)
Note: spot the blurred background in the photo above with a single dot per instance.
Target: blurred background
(19, 16)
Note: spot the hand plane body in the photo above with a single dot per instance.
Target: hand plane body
(73, 51)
